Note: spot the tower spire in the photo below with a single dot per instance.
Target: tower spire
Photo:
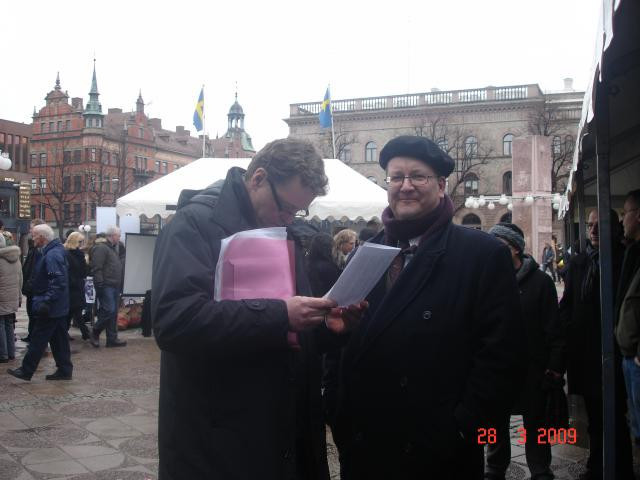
(58, 81)
(140, 103)
(93, 112)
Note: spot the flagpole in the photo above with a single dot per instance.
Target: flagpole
(333, 133)
(204, 124)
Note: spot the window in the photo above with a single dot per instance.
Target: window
(471, 184)
(568, 143)
(165, 167)
(114, 159)
(373, 179)
(471, 220)
(77, 156)
(90, 180)
(370, 152)
(443, 143)
(90, 154)
(1, 141)
(33, 211)
(157, 166)
(105, 157)
(345, 154)
(34, 184)
(106, 185)
(77, 212)
(176, 167)
(77, 183)
(9, 140)
(59, 125)
(93, 211)
(141, 133)
(43, 183)
(66, 184)
(556, 145)
(507, 140)
(34, 159)
(506, 183)
(43, 127)
(68, 125)
(51, 126)
(66, 156)
(471, 147)
(66, 212)
(43, 160)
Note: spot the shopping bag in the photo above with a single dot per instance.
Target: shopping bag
(556, 409)
(129, 315)
(256, 264)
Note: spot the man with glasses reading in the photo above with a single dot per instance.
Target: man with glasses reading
(436, 355)
(240, 379)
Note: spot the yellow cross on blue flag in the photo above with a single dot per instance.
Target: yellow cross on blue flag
(325, 111)
(198, 115)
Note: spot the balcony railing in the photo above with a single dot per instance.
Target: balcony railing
(489, 94)
(143, 173)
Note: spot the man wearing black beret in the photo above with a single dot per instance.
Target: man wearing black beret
(437, 354)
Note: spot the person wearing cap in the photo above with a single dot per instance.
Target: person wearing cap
(545, 350)
(438, 352)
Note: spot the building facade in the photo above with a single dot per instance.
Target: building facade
(475, 127)
(14, 140)
(236, 142)
(81, 157)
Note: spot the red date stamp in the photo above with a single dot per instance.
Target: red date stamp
(544, 436)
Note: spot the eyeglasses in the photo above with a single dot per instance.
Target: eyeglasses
(415, 180)
(302, 213)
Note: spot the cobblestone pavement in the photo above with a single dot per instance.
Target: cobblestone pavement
(103, 424)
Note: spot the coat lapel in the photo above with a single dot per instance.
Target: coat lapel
(408, 285)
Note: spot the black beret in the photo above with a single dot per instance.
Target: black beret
(420, 148)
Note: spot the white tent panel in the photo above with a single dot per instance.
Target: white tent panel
(350, 194)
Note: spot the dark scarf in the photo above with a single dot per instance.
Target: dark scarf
(399, 232)
(590, 284)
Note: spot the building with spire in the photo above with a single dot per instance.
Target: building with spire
(81, 158)
(236, 142)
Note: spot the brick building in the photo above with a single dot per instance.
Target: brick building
(82, 158)
(236, 142)
(475, 127)
(14, 140)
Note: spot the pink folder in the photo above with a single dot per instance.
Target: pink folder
(256, 267)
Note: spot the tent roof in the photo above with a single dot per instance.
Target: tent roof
(350, 194)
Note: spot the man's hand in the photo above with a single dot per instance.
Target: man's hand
(307, 312)
(343, 320)
(43, 309)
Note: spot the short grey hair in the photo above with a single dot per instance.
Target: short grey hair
(45, 230)
(112, 230)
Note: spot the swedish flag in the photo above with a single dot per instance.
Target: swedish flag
(325, 111)
(198, 114)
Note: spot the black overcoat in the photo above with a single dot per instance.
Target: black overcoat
(235, 401)
(77, 273)
(435, 357)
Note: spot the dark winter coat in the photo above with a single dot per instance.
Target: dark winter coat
(580, 319)
(27, 269)
(77, 274)
(545, 339)
(322, 273)
(106, 265)
(50, 280)
(436, 356)
(235, 401)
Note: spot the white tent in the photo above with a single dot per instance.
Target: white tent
(350, 195)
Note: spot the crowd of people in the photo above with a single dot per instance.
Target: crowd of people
(52, 277)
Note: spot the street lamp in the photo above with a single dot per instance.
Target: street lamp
(5, 161)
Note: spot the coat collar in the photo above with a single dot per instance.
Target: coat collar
(233, 210)
(52, 244)
(407, 286)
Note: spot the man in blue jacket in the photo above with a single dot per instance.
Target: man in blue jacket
(50, 305)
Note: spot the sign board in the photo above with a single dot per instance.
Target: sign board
(138, 264)
(24, 200)
(105, 217)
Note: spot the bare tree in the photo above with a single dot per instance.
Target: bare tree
(468, 152)
(547, 120)
(343, 139)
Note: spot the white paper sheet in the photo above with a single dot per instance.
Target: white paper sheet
(362, 273)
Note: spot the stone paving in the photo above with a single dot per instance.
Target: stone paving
(103, 424)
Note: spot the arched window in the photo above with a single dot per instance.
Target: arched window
(443, 143)
(506, 183)
(370, 152)
(471, 147)
(345, 154)
(471, 184)
(471, 220)
(506, 218)
(373, 179)
(507, 140)
(568, 143)
(556, 145)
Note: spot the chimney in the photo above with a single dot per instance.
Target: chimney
(156, 123)
(76, 103)
(180, 130)
(568, 84)
(114, 110)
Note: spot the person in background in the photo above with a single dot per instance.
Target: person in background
(10, 297)
(77, 275)
(50, 286)
(548, 260)
(545, 349)
(581, 319)
(628, 308)
(27, 269)
(106, 268)
(343, 242)
(322, 270)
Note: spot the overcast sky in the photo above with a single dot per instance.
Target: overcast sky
(283, 52)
